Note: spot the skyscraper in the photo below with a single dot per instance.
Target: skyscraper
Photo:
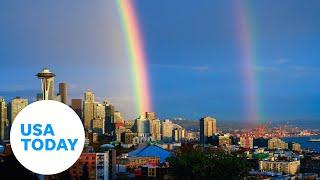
(167, 127)
(99, 110)
(118, 120)
(109, 117)
(207, 129)
(156, 129)
(98, 118)
(155, 125)
(142, 127)
(4, 123)
(47, 83)
(63, 91)
(76, 105)
(88, 109)
(16, 105)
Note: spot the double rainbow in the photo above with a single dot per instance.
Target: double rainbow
(136, 55)
(138, 62)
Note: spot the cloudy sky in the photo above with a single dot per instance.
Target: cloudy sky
(193, 52)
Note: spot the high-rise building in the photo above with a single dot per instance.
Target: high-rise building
(99, 110)
(47, 84)
(88, 109)
(143, 127)
(167, 127)
(4, 123)
(15, 106)
(109, 117)
(155, 125)
(156, 129)
(178, 135)
(276, 143)
(76, 105)
(63, 92)
(207, 129)
(118, 120)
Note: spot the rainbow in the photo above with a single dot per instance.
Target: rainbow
(136, 55)
(245, 34)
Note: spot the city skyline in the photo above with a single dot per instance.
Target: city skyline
(198, 73)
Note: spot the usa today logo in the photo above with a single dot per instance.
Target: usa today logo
(47, 137)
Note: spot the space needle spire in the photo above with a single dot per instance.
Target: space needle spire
(47, 83)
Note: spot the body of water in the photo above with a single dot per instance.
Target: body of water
(314, 146)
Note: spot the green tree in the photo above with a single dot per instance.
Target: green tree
(208, 165)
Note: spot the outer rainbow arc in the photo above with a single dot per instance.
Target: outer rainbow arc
(136, 55)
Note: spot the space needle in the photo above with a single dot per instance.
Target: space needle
(47, 83)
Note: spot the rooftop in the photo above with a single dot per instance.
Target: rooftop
(151, 150)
